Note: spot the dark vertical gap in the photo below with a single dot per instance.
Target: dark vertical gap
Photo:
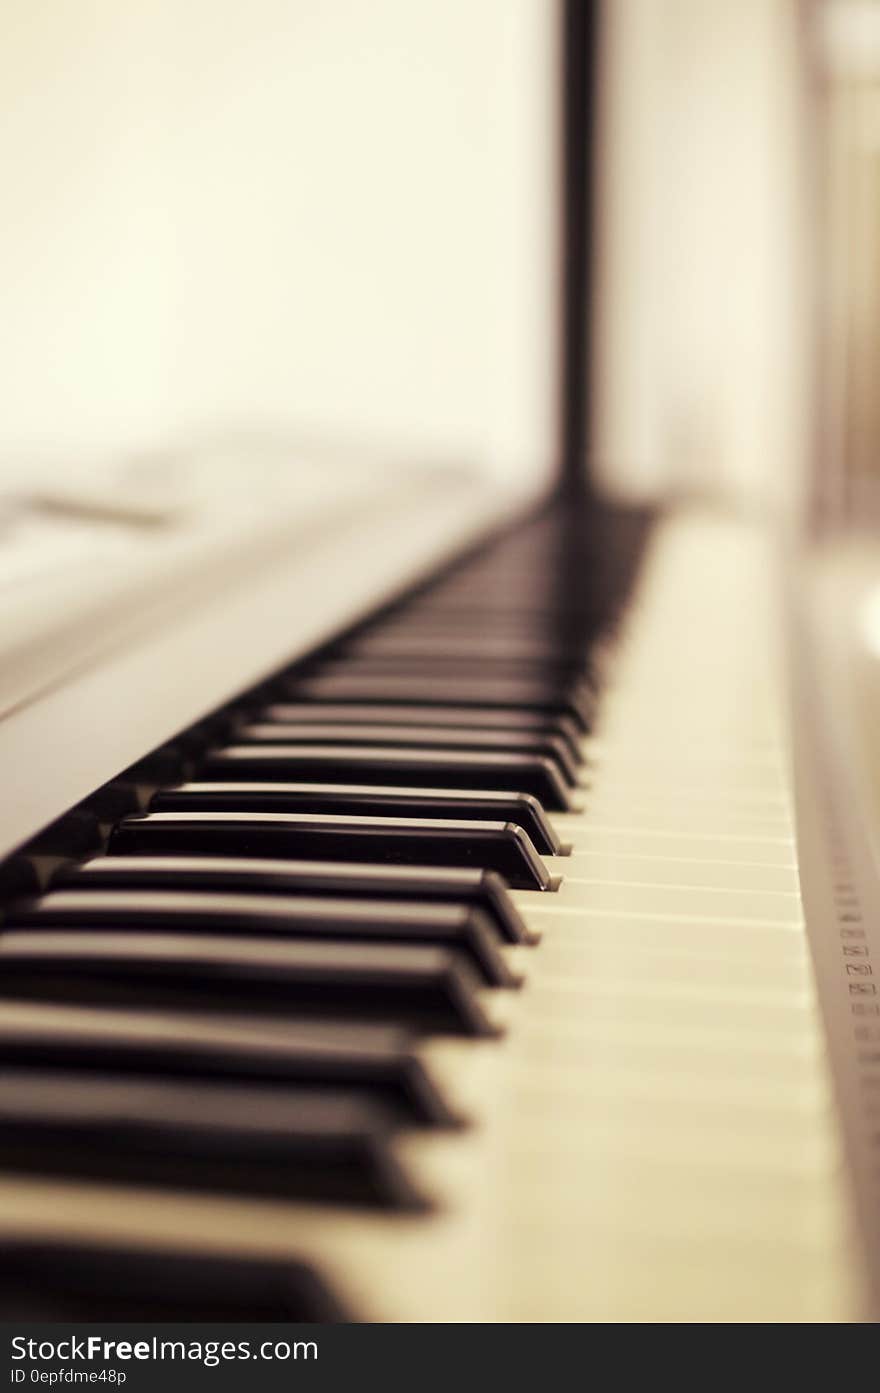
(579, 22)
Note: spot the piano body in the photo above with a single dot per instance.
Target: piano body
(432, 894)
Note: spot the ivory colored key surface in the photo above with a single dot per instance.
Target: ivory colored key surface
(676, 901)
(726, 873)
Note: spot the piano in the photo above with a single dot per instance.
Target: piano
(429, 892)
(448, 960)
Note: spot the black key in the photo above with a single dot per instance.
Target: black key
(72, 1280)
(567, 679)
(469, 717)
(413, 737)
(370, 800)
(514, 599)
(532, 695)
(476, 644)
(377, 1061)
(275, 916)
(496, 846)
(439, 619)
(430, 987)
(18, 877)
(559, 674)
(395, 765)
(324, 1145)
(442, 884)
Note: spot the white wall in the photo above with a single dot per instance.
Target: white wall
(85, 287)
(328, 218)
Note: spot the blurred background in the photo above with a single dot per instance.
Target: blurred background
(326, 219)
(339, 224)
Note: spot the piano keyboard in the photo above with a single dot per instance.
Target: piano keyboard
(458, 972)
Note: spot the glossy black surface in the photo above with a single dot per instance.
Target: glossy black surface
(366, 801)
(497, 846)
(528, 694)
(380, 1061)
(72, 1279)
(466, 717)
(417, 768)
(429, 885)
(550, 747)
(432, 988)
(458, 926)
(317, 1145)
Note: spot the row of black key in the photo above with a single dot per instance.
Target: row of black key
(232, 997)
